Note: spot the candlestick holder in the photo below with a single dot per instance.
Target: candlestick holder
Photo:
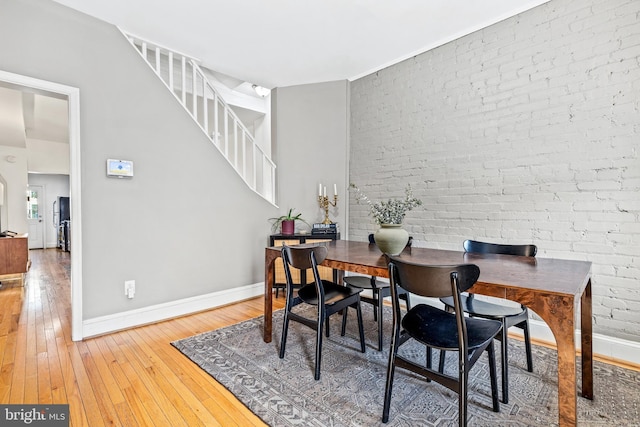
(324, 204)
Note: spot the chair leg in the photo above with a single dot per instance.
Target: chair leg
(285, 329)
(505, 364)
(527, 345)
(360, 326)
(380, 307)
(429, 361)
(316, 374)
(344, 322)
(441, 361)
(442, 352)
(492, 376)
(389, 384)
(463, 379)
(376, 297)
(407, 299)
(285, 323)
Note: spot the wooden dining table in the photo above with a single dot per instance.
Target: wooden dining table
(557, 290)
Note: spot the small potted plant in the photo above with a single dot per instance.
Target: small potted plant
(286, 222)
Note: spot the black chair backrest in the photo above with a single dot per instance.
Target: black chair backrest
(494, 248)
(372, 240)
(299, 256)
(303, 257)
(432, 280)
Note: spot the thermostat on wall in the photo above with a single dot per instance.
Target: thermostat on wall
(119, 168)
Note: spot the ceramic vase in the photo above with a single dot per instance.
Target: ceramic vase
(391, 238)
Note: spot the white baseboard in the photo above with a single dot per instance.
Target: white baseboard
(143, 316)
(609, 347)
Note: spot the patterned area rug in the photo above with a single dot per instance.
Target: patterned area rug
(282, 392)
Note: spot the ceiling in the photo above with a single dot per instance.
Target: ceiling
(280, 43)
(274, 43)
(31, 115)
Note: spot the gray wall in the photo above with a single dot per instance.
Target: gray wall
(311, 133)
(13, 174)
(526, 131)
(186, 224)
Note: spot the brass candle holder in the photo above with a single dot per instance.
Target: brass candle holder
(324, 202)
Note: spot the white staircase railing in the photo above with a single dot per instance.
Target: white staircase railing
(184, 78)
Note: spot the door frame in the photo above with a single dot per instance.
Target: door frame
(75, 181)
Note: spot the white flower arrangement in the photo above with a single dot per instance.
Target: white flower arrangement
(391, 211)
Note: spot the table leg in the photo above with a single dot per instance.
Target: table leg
(269, 272)
(586, 345)
(567, 392)
(559, 314)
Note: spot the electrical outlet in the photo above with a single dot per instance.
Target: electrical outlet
(130, 288)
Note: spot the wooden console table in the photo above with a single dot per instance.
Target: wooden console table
(300, 277)
(14, 257)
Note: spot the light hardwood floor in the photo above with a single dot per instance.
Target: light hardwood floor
(129, 378)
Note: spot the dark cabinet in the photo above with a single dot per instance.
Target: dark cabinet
(14, 256)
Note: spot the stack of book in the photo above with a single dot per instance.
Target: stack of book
(325, 229)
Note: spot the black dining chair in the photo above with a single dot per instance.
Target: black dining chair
(379, 291)
(439, 329)
(328, 297)
(509, 315)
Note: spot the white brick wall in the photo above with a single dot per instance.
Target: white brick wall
(526, 131)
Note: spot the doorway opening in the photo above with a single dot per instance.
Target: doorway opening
(35, 206)
(33, 85)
